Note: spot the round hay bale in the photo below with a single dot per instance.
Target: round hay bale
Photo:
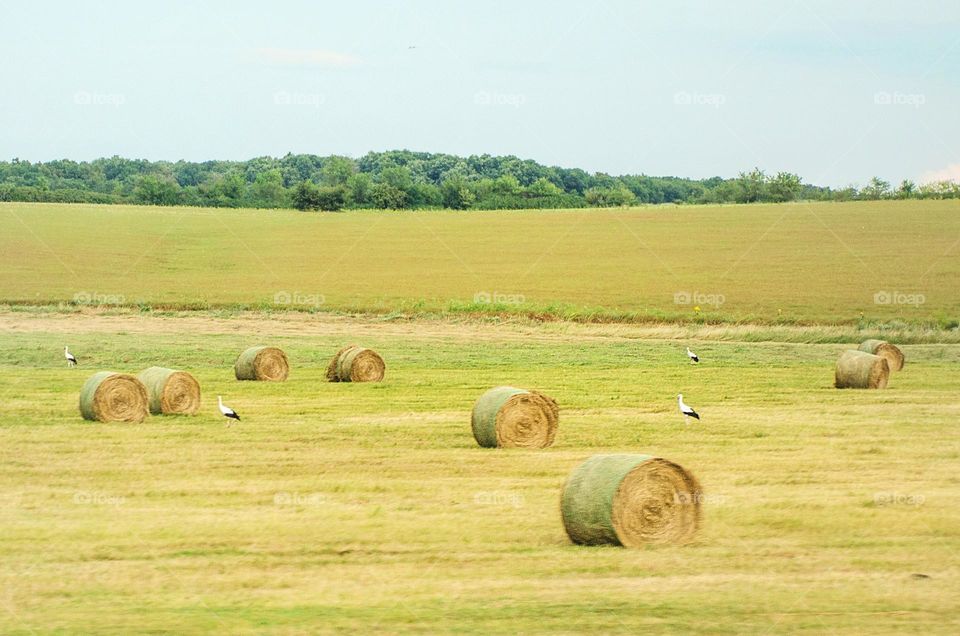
(886, 350)
(630, 500)
(356, 364)
(861, 370)
(171, 392)
(113, 397)
(509, 417)
(267, 364)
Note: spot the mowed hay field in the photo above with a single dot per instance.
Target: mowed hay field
(370, 508)
(803, 262)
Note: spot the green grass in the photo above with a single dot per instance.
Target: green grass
(370, 509)
(798, 263)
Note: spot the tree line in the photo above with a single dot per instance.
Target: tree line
(403, 179)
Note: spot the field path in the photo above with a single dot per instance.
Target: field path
(329, 324)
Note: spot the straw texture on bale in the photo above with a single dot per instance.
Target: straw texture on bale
(506, 417)
(113, 397)
(356, 364)
(861, 370)
(262, 363)
(885, 350)
(630, 500)
(171, 392)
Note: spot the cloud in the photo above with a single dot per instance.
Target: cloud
(950, 173)
(307, 57)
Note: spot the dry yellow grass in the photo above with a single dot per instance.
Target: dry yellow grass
(764, 262)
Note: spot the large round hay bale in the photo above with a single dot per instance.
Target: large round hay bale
(509, 417)
(630, 500)
(113, 397)
(262, 363)
(171, 392)
(356, 364)
(861, 370)
(886, 350)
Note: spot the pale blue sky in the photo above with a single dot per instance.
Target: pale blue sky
(834, 91)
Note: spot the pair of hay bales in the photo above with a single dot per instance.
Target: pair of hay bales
(108, 396)
(350, 364)
(356, 364)
(869, 366)
(623, 499)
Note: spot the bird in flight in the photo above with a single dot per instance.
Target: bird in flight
(693, 357)
(686, 410)
(71, 359)
(226, 411)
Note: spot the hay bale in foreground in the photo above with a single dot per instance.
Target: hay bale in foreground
(262, 363)
(630, 500)
(171, 392)
(861, 370)
(886, 350)
(356, 364)
(113, 397)
(509, 417)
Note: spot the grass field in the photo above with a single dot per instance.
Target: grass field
(369, 508)
(891, 261)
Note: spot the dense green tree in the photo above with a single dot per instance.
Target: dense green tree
(152, 190)
(336, 171)
(615, 196)
(784, 187)
(457, 194)
(753, 186)
(359, 186)
(331, 198)
(306, 196)
(387, 197)
(267, 190)
(876, 189)
(543, 187)
(906, 190)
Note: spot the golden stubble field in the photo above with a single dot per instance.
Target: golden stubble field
(887, 261)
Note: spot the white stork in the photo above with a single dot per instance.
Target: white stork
(693, 357)
(226, 411)
(686, 410)
(71, 359)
